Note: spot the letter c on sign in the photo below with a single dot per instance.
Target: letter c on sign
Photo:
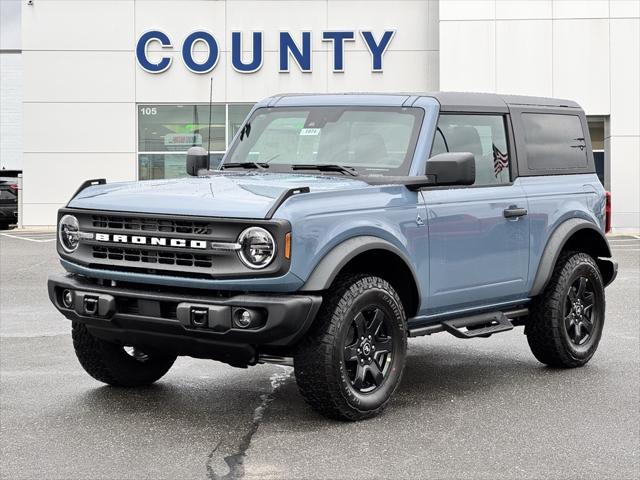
(141, 51)
(187, 52)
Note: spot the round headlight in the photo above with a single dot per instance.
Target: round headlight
(257, 247)
(68, 233)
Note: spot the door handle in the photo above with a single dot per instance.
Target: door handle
(514, 212)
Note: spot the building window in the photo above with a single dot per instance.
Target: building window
(166, 132)
(596, 132)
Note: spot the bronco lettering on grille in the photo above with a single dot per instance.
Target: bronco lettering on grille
(158, 241)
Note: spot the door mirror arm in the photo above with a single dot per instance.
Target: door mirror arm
(417, 183)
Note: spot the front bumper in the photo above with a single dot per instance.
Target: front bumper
(162, 319)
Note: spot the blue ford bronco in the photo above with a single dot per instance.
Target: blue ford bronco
(337, 226)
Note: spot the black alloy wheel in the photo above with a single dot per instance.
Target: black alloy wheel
(137, 354)
(579, 319)
(369, 349)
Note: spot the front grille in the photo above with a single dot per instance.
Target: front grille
(153, 256)
(113, 222)
(164, 245)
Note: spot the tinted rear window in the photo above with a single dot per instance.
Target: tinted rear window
(554, 141)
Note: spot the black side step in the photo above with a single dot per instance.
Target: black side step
(481, 325)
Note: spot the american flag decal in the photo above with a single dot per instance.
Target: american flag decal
(500, 160)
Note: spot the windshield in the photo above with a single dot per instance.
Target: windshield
(366, 140)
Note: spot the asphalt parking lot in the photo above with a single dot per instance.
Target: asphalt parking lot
(481, 408)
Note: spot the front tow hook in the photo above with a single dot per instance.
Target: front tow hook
(90, 305)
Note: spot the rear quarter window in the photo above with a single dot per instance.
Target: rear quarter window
(554, 142)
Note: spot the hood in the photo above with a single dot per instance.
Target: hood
(238, 195)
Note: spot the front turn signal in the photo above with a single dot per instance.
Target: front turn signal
(287, 246)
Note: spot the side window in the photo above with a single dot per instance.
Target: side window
(439, 145)
(482, 135)
(554, 141)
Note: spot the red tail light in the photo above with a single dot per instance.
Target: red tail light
(14, 187)
(607, 213)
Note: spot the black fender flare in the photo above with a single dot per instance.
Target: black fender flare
(328, 268)
(556, 243)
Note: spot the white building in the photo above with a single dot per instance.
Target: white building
(10, 86)
(92, 109)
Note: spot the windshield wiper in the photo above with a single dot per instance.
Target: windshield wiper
(260, 165)
(324, 167)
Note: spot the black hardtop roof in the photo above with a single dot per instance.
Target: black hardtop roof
(449, 100)
(496, 99)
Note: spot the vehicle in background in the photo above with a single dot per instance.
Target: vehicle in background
(8, 198)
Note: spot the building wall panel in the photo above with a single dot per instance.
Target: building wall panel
(78, 76)
(78, 25)
(11, 79)
(79, 127)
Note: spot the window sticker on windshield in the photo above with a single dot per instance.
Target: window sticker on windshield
(310, 131)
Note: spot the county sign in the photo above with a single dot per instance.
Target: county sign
(292, 47)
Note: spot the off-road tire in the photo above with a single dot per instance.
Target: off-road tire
(320, 368)
(547, 331)
(110, 363)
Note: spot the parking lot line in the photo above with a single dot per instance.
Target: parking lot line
(29, 239)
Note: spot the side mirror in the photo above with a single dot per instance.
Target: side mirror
(455, 168)
(197, 159)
